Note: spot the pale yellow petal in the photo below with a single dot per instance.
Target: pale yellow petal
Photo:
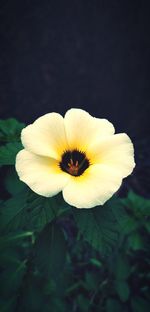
(46, 136)
(97, 184)
(116, 151)
(82, 129)
(41, 174)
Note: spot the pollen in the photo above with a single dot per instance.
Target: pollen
(74, 162)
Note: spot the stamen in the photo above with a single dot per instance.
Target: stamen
(74, 162)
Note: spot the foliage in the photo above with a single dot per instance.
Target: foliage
(9, 140)
(58, 258)
(10, 130)
(99, 226)
(8, 153)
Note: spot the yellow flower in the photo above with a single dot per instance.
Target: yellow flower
(79, 155)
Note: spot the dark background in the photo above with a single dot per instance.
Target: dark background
(88, 54)
(93, 55)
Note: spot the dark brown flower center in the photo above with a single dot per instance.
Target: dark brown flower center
(74, 162)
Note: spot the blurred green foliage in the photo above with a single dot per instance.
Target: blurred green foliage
(58, 258)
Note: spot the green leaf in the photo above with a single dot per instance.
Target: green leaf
(9, 257)
(96, 262)
(75, 286)
(12, 212)
(12, 183)
(11, 278)
(50, 287)
(139, 205)
(8, 153)
(135, 241)
(147, 225)
(82, 302)
(50, 250)
(12, 238)
(122, 289)
(113, 305)
(40, 211)
(27, 211)
(126, 222)
(121, 268)
(92, 281)
(98, 226)
(139, 304)
(10, 130)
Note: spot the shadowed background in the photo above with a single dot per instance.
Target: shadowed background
(88, 54)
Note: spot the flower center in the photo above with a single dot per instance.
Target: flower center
(74, 162)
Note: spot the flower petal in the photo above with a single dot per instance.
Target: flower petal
(82, 129)
(94, 187)
(116, 151)
(41, 174)
(46, 136)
